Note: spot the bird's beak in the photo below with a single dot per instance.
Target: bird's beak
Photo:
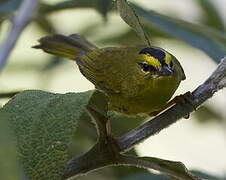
(166, 70)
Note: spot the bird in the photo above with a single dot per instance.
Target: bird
(137, 79)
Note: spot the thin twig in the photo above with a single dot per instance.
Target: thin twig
(22, 18)
(214, 83)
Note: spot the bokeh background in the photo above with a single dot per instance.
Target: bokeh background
(199, 142)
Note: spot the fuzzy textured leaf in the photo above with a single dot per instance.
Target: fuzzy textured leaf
(44, 124)
(146, 176)
(9, 166)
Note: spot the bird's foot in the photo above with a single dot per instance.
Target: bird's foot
(184, 98)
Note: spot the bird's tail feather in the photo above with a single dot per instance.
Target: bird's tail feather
(65, 46)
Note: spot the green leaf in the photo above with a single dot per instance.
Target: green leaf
(55, 62)
(174, 169)
(149, 176)
(6, 6)
(103, 6)
(130, 17)
(207, 114)
(145, 176)
(171, 168)
(44, 124)
(9, 165)
(211, 15)
(68, 4)
(45, 24)
(213, 43)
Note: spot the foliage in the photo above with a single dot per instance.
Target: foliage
(9, 167)
(44, 124)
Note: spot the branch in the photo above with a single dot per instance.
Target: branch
(22, 18)
(205, 91)
(107, 153)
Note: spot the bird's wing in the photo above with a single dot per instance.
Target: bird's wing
(108, 68)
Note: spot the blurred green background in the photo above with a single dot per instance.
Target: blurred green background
(199, 142)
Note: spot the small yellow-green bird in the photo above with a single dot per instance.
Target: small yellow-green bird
(136, 79)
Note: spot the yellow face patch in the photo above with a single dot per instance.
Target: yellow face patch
(168, 58)
(151, 61)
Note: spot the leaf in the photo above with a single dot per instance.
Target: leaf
(55, 62)
(145, 176)
(44, 124)
(45, 24)
(120, 172)
(9, 165)
(213, 43)
(174, 169)
(103, 6)
(130, 17)
(207, 114)
(211, 14)
(68, 4)
(6, 6)
(149, 176)
(2, 18)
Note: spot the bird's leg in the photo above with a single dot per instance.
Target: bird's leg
(108, 128)
(111, 138)
(178, 99)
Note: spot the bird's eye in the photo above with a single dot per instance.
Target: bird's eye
(146, 67)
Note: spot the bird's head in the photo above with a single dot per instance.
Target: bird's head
(156, 61)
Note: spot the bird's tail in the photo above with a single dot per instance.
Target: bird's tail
(65, 46)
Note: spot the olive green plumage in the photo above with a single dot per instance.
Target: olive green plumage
(136, 79)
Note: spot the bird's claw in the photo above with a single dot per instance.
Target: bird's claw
(183, 99)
